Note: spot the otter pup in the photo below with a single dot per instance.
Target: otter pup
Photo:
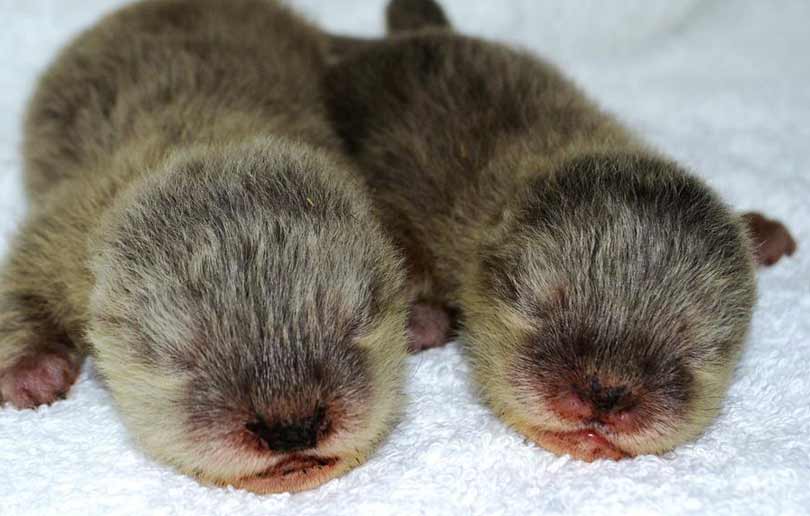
(194, 230)
(604, 291)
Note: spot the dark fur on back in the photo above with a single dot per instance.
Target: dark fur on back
(426, 115)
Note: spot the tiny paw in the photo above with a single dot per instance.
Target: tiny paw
(38, 378)
(771, 238)
(429, 326)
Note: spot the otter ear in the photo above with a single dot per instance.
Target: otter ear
(770, 238)
(414, 15)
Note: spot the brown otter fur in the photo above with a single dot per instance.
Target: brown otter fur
(193, 230)
(605, 291)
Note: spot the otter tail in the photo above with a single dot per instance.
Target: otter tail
(402, 16)
(414, 15)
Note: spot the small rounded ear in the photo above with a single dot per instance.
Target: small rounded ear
(413, 15)
(771, 238)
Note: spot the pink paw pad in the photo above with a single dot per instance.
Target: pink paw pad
(38, 379)
(429, 326)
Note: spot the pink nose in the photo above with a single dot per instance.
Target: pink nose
(570, 406)
(594, 401)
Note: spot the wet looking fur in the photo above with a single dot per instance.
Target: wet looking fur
(605, 292)
(194, 228)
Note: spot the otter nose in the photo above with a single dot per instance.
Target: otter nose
(286, 437)
(592, 399)
(604, 398)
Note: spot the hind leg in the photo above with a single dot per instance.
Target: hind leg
(430, 325)
(771, 238)
(38, 364)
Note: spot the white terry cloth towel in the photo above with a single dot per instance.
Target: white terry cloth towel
(720, 85)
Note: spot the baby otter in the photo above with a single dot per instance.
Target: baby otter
(605, 292)
(194, 230)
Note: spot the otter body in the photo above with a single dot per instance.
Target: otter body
(604, 291)
(193, 227)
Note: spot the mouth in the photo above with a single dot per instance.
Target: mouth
(586, 445)
(293, 474)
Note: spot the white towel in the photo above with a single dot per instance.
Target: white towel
(723, 86)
